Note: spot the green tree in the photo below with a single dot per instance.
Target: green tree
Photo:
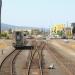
(35, 31)
(26, 32)
(10, 31)
(60, 33)
(4, 34)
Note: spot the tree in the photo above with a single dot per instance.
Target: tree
(10, 31)
(26, 32)
(35, 32)
(4, 34)
(60, 33)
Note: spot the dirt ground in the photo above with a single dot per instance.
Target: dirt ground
(5, 48)
(63, 49)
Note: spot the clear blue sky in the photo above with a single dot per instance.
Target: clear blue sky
(38, 13)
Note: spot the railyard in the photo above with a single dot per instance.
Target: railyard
(37, 37)
(37, 61)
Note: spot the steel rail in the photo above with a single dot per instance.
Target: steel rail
(5, 59)
(40, 51)
(57, 56)
(37, 49)
(12, 60)
(29, 66)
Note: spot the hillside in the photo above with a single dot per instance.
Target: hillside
(7, 27)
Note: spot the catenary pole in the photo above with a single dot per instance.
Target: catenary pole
(0, 16)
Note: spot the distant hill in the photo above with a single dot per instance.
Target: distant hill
(7, 27)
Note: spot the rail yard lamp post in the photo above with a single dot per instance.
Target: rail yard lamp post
(0, 16)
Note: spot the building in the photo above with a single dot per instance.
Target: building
(27, 31)
(73, 24)
(68, 32)
(73, 28)
(57, 28)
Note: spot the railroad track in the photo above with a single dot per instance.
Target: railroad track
(66, 64)
(7, 66)
(37, 52)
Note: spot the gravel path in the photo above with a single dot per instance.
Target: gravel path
(21, 63)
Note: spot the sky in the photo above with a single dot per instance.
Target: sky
(38, 13)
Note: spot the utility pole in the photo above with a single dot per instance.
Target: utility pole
(67, 24)
(0, 16)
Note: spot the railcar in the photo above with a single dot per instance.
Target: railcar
(19, 39)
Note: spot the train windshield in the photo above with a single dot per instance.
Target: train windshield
(18, 36)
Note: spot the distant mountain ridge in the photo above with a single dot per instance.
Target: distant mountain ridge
(5, 27)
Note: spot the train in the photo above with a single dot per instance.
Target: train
(19, 39)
